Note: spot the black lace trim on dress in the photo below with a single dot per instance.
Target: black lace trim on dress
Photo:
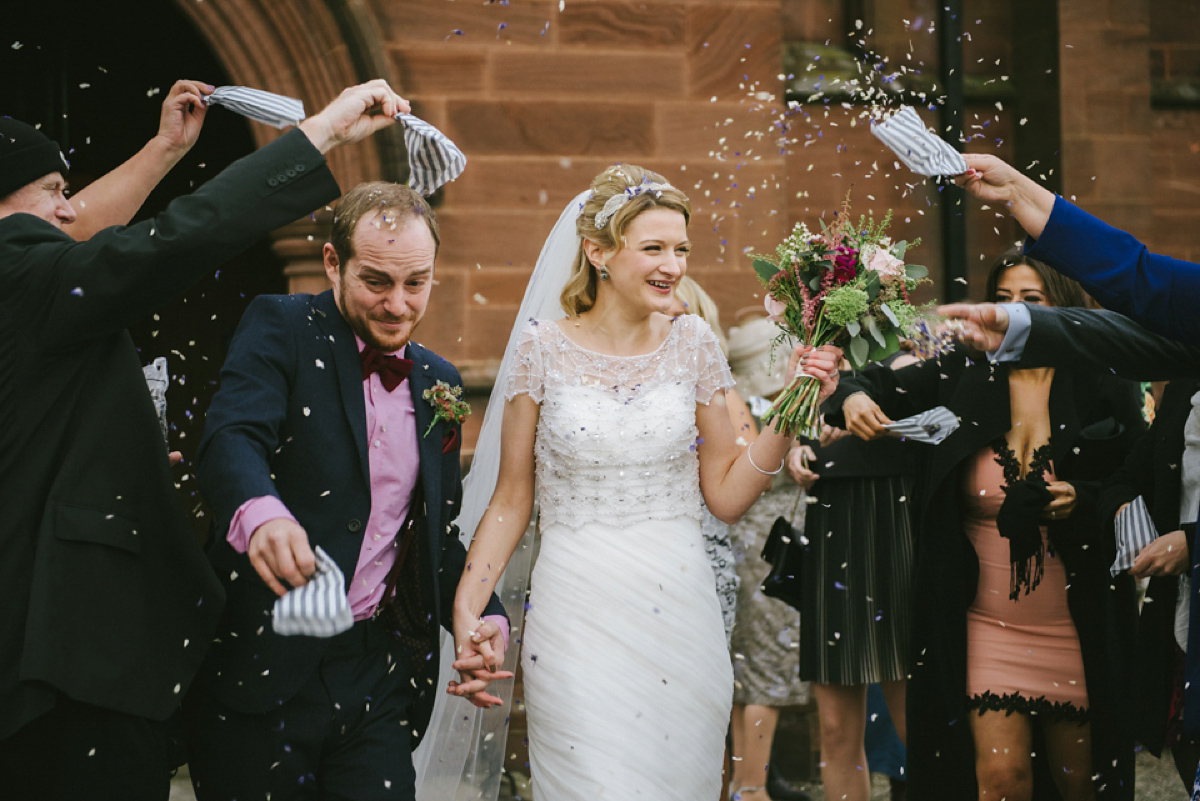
(1011, 465)
(1027, 551)
(1015, 702)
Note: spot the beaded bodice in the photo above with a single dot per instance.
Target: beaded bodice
(616, 435)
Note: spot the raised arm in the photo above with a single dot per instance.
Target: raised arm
(993, 181)
(114, 198)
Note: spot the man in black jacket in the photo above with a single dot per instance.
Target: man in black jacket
(106, 602)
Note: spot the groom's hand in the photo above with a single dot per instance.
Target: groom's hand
(279, 551)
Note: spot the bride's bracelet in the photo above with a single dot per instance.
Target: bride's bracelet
(774, 472)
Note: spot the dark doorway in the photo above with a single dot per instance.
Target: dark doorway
(94, 76)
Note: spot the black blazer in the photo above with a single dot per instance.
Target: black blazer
(1154, 471)
(1095, 418)
(289, 420)
(104, 595)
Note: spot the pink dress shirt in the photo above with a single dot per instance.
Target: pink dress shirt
(393, 460)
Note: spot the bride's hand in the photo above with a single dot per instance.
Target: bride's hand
(820, 363)
(479, 652)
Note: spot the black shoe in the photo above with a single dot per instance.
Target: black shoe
(780, 789)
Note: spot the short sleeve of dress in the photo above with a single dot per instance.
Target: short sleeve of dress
(527, 370)
(712, 368)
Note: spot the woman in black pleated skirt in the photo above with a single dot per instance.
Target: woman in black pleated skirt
(855, 584)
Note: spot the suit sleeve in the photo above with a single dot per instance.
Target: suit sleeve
(242, 429)
(1120, 272)
(70, 292)
(1069, 337)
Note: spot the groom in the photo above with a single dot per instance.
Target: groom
(320, 436)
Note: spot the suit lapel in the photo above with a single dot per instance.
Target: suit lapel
(347, 370)
(429, 447)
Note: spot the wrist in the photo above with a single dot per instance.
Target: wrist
(319, 132)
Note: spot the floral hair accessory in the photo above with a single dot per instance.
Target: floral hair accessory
(447, 404)
(620, 199)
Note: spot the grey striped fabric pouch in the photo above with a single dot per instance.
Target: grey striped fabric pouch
(1134, 531)
(921, 150)
(931, 426)
(433, 160)
(264, 107)
(319, 608)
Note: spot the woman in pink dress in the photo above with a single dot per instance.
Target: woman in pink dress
(1017, 661)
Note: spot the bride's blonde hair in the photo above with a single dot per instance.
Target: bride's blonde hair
(642, 189)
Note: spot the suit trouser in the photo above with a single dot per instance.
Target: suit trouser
(344, 735)
(80, 752)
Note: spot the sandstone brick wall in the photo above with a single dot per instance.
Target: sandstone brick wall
(542, 96)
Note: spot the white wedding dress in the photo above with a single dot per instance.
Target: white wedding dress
(627, 677)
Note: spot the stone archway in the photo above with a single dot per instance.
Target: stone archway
(310, 49)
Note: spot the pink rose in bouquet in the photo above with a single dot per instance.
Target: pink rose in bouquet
(775, 308)
(888, 266)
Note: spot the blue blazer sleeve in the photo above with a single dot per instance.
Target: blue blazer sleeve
(1120, 273)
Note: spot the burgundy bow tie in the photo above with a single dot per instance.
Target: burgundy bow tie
(392, 369)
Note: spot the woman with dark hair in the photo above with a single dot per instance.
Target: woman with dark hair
(1019, 634)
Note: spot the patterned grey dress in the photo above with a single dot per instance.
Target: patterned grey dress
(766, 634)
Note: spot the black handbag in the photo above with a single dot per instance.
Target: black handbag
(784, 551)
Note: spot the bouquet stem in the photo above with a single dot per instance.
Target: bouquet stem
(797, 410)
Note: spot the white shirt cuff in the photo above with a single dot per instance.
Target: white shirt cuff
(1019, 325)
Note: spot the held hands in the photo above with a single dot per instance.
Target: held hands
(279, 551)
(355, 114)
(182, 116)
(479, 652)
(1064, 501)
(864, 418)
(820, 363)
(1166, 556)
(984, 324)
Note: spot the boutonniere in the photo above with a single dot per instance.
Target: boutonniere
(447, 404)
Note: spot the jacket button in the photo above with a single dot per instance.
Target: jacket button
(291, 173)
(299, 168)
(272, 182)
(281, 177)
(354, 525)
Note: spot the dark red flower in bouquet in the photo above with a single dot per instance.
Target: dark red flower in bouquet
(845, 263)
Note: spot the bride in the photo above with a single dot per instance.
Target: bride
(614, 420)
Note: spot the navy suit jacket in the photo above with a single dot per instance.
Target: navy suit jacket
(1120, 273)
(289, 420)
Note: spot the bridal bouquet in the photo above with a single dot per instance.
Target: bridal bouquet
(846, 286)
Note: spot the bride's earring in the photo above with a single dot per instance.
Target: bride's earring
(602, 271)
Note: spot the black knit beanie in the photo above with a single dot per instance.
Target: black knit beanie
(26, 154)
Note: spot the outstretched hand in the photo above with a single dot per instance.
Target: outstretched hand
(984, 324)
(355, 114)
(182, 116)
(479, 653)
